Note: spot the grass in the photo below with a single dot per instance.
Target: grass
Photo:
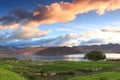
(9, 75)
(6, 66)
(74, 66)
(100, 76)
(63, 70)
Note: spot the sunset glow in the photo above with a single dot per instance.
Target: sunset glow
(59, 22)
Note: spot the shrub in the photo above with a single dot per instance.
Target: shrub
(95, 55)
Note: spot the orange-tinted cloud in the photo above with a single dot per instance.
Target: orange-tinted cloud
(64, 11)
(59, 12)
(28, 33)
(56, 12)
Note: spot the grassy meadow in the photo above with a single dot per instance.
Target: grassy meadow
(7, 74)
(100, 76)
(15, 69)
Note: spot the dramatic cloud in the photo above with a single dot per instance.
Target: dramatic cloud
(17, 16)
(64, 11)
(28, 33)
(13, 25)
(21, 33)
(64, 40)
(23, 24)
(58, 12)
(94, 37)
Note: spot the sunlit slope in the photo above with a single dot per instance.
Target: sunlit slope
(6, 74)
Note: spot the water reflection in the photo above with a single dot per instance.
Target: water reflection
(73, 57)
(112, 56)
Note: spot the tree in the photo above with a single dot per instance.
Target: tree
(95, 56)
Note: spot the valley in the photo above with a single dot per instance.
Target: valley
(41, 70)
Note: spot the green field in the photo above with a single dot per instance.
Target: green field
(6, 74)
(16, 69)
(100, 76)
(75, 66)
(9, 75)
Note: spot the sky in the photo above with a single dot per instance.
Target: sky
(70, 23)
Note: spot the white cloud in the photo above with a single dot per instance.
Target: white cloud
(94, 37)
(111, 29)
(28, 33)
(21, 33)
(50, 14)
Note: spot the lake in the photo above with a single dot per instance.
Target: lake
(72, 57)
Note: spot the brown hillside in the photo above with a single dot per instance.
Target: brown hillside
(52, 51)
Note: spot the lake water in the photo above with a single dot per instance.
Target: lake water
(73, 57)
(113, 56)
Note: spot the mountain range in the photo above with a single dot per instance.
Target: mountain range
(106, 48)
(53, 51)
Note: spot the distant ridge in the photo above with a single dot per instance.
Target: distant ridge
(48, 51)
(107, 48)
(53, 51)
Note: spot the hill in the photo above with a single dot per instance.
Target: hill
(52, 51)
(108, 48)
(48, 51)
